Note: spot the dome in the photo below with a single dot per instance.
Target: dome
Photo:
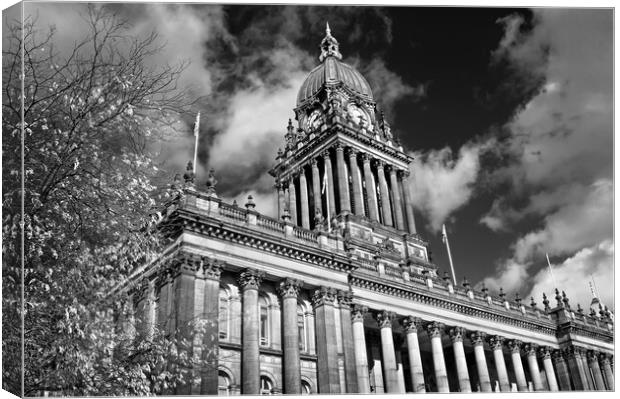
(332, 71)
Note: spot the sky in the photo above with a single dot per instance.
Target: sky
(507, 112)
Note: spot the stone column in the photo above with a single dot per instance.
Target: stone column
(358, 199)
(150, 316)
(359, 343)
(125, 323)
(562, 369)
(327, 350)
(250, 280)
(592, 357)
(398, 205)
(532, 361)
(545, 355)
(477, 339)
(497, 343)
(411, 325)
(165, 284)
(408, 203)
(386, 210)
(344, 302)
(544, 352)
(576, 369)
(145, 300)
(331, 198)
(439, 363)
(390, 369)
(586, 368)
(291, 367)
(281, 204)
(517, 364)
(456, 335)
(292, 200)
(316, 188)
(165, 321)
(185, 276)
(305, 204)
(343, 182)
(211, 272)
(605, 364)
(371, 191)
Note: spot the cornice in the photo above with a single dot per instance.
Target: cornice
(189, 220)
(329, 136)
(214, 228)
(584, 331)
(408, 292)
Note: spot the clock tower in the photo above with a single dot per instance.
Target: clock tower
(342, 169)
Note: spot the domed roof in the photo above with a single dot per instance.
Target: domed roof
(333, 71)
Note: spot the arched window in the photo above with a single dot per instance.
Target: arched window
(264, 321)
(223, 384)
(306, 389)
(223, 318)
(301, 328)
(266, 386)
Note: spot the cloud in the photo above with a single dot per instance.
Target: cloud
(182, 31)
(255, 125)
(526, 54)
(574, 274)
(266, 203)
(572, 227)
(582, 222)
(388, 87)
(560, 146)
(441, 183)
(562, 136)
(185, 31)
(509, 276)
(257, 87)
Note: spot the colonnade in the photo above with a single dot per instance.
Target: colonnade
(572, 368)
(591, 370)
(359, 184)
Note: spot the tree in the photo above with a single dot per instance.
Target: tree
(88, 120)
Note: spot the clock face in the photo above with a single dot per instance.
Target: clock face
(314, 120)
(358, 115)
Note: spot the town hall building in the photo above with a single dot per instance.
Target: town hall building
(338, 293)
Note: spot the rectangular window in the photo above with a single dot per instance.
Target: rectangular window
(264, 327)
(223, 322)
(301, 332)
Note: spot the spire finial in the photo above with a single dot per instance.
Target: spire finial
(329, 45)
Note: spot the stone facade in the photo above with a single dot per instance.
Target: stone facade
(338, 294)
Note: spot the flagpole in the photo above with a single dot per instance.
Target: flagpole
(551, 271)
(196, 131)
(445, 240)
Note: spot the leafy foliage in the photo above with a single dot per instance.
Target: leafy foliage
(88, 119)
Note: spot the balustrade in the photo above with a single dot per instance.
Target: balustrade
(232, 212)
(270, 224)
